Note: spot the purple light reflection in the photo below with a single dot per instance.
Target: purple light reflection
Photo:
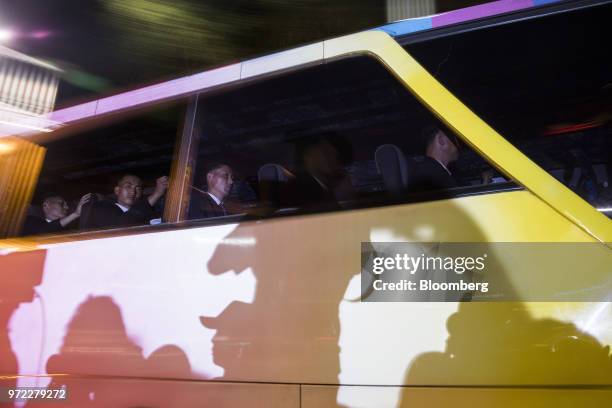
(480, 11)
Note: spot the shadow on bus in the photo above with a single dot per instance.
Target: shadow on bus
(303, 266)
(502, 354)
(96, 340)
(291, 333)
(21, 273)
(496, 354)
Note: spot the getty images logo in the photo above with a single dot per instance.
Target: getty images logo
(413, 264)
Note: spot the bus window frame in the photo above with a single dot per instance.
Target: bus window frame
(78, 128)
(183, 164)
(470, 128)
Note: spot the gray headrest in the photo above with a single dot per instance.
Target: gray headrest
(393, 167)
(273, 172)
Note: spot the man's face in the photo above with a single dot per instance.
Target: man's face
(55, 208)
(220, 181)
(321, 159)
(449, 146)
(128, 191)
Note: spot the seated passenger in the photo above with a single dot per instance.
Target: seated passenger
(210, 203)
(126, 208)
(321, 179)
(55, 216)
(432, 173)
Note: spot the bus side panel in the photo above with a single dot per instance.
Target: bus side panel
(414, 397)
(117, 392)
(278, 301)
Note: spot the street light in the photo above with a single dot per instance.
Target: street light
(6, 35)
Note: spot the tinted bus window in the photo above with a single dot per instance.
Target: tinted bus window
(339, 135)
(106, 176)
(546, 85)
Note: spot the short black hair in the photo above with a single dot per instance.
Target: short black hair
(207, 168)
(120, 178)
(429, 133)
(214, 165)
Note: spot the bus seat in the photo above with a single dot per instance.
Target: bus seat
(601, 172)
(273, 172)
(274, 190)
(393, 167)
(87, 208)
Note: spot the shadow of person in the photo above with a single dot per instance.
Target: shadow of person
(299, 284)
(511, 357)
(20, 273)
(96, 342)
(496, 345)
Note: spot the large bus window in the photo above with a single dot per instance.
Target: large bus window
(338, 135)
(546, 85)
(106, 176)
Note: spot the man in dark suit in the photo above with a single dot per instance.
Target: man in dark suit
(127, 208)
(55, 216)
(210, 203)
(321, 180)
(442, 148)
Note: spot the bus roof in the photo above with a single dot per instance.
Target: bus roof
(272, 62)
(413, 25)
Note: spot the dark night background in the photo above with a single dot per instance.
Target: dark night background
(108, 45)
(105, 45)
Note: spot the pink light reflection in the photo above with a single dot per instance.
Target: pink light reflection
(479, 11)
(40, 34)
(149, 94)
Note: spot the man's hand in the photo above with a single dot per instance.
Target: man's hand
(161, 185)
(77, 212)
(84, 200)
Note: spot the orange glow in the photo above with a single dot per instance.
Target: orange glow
(6, 147)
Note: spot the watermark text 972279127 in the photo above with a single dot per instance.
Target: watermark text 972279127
(38, 394)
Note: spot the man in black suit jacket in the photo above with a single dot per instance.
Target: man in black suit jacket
(210, 203)
(321, 181)
(127, 208)
(55, 216)
(432, 173)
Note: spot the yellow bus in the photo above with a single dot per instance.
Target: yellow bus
(484, 130)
